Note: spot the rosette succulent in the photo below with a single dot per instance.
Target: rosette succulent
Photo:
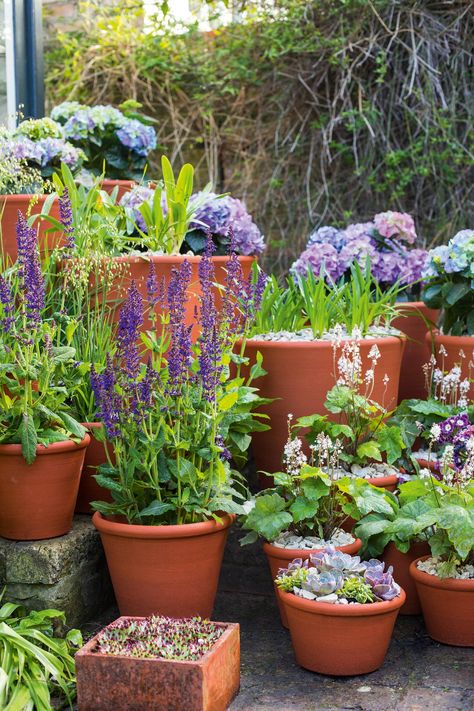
(450, 276)
(123, 139)
(336, 577)
(386, 241)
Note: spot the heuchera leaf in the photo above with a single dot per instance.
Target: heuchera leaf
(303, 509)
(458, 522)
(268, 516)
(391, 442)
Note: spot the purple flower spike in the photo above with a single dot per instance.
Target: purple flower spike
(131, 318)
(66, 218)
(179, 355)
(29, 271)
(7, 321)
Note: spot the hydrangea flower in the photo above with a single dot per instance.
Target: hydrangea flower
(47, 152)
(396, 224)
(317, 257)
(132, 200)
(457, 257)
(358, 250)
(328, 235)
(137, 137)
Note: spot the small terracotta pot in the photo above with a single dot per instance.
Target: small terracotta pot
(169, 570)
(447, 605)
(37, 500)
(89, 490)
(9, 207)
(454, 345)
(415, 318)
(299, 376)
(282, 557)
(384, 482)
(106, 681)
(340, 640)
(401, 572)
(124, 186)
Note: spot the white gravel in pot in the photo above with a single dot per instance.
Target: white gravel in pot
(431, 565)
(290, 541)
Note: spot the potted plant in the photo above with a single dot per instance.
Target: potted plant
(308, 505)
(389, 241)
(449, 272)
(119, 138)
(29, 156)
(160, 663)
(445, 579)
(42, 446)
(174, 426)
(300, 331)
(341, 611)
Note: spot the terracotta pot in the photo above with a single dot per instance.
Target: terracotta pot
(455, 346)
(124, 186)
(281, 557)
(89, 490)
(447, 605)
(170, 570)
(37, 500)
(415, 318)
(401, 564)
(299, 376)
(106, 681)
(340, 640)
(384, 482)
(220, 265)
(9, 207)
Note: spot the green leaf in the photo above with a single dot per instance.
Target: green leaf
(315, 488)
(73, 425)
(62, 354)
(157, 508)
(457, 291)
(391, 442)
(369, 450)
(28, 438)
(228, 401)
(303, 508)
(268, 517)
(458, 522)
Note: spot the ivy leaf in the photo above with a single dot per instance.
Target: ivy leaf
(28, 438)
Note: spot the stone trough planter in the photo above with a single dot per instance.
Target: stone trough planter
(106, 682)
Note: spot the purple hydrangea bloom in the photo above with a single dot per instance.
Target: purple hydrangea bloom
(132, 200)
(358, 250)
(359, 229)
(386, 268)
(412, 265)
(399, 225)
(319, 257)
(138, 137)
(328, 235)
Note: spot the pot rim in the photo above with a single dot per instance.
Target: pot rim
(22, 197)
(291, 553)
(119, 181)
(331, 610)
(184, 530)
(432, 581)
(387, 480)
(436, 336)
(172, 258)
(320, 343)
(13, 450)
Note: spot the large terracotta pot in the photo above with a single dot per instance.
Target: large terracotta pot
(415, 317)
(89, 490)
(10, 205)
(340, 640)
(455, 346)
(447, 605)
(282, 557)
(124, 186)
(401, 572)
(299, 376)
(169, 570)
(37, 500)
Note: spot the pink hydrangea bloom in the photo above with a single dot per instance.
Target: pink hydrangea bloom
(398, 225)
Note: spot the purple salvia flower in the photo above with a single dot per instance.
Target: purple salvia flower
(106, 399)
(131, 318)
(66, 218)
(29, 271)
(210, 352)
(6, 300)
(179, 354)
(152, 288)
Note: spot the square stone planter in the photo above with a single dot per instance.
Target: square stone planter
(106, 682)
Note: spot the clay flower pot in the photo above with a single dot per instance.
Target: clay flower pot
(401, 572)
(385, 482)
(454, 346)
(299, 376)
(340, 640)
(37, 500)
(447, 605)
(124, 186)
(106, 682)
(281, 557)
(9, 207)
(89, 490)
(415, 317)
(169, 570)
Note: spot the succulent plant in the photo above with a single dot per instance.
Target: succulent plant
(323, 583)
(382, 583)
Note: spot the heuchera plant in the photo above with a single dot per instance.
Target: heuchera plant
(336, 576)
(186, 639)
(388, 241)
(308, 498)
(176, 424)
(33, 400)
(121, 138)
(450, 274)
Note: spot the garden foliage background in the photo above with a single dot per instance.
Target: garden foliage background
(314, 112)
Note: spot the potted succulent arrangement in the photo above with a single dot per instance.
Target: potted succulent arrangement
(160, 662)
(341, 611)
(445, 579)
(308, 505)
(389, 241)
(42, 446)
(301, 330)
(450, 271)
(174, 426)
(29, 156)
(121, 139)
